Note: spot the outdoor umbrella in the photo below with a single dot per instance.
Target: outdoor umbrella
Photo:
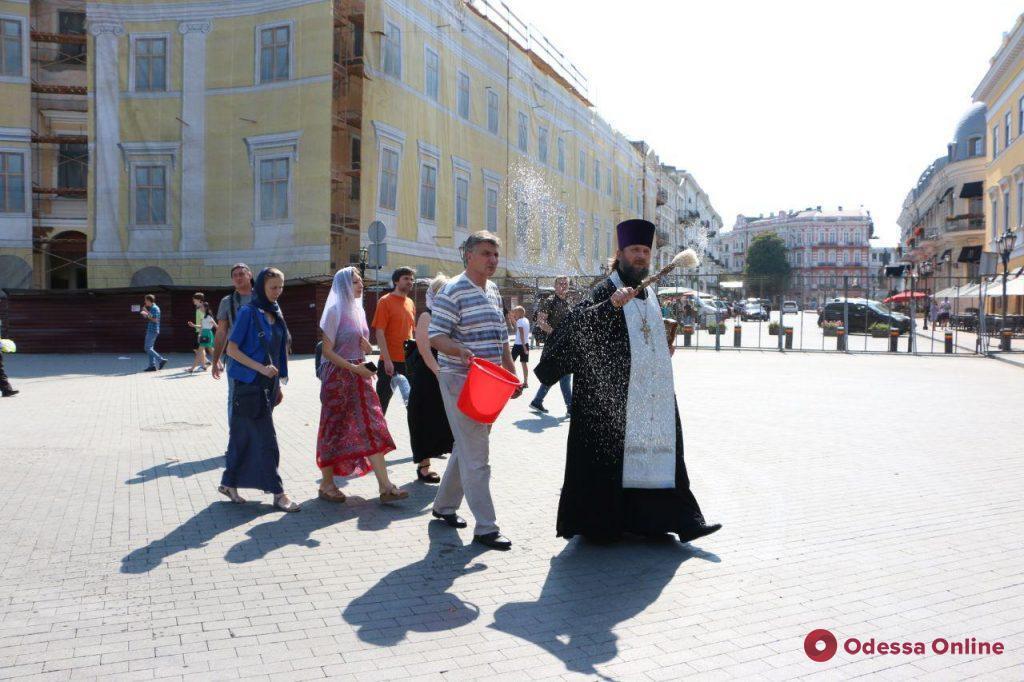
(905, 296)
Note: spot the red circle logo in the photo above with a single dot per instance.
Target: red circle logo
(816, 637)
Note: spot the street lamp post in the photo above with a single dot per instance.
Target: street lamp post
(363, 252)
(1006, 242)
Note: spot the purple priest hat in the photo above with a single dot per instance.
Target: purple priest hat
(635, 231)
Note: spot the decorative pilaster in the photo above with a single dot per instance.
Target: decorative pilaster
(106, 237)
(193, 135)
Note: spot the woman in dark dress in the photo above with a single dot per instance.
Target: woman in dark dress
(429, 432)
(257, 346)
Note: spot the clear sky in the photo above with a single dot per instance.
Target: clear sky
(784, 104)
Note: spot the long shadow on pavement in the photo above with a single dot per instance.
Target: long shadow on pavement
(177, 469)
(193, 534)
(588, 591)
(415, 598)
(316, 515)
(539, 424)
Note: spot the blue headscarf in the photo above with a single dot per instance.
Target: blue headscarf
(260, 300)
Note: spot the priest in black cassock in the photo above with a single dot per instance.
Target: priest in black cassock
(624, 470)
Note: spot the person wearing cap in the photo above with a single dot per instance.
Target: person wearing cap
(227, 312)
(624, 468)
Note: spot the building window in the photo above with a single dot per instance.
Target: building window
(71, 24)
(391, 48)
(432, 74)
(597, 175)
(11, 55)
(150, 64)
(995, 141)
(461, 203)
(522, 219)
(357, 162)
(995, 217)
(274, 189)
(150, 195)
(492, 111)
(463, 96)
(275, 60)
(1006, 210)
(976, 146)
(608, 181)
(542, 145)
(73, 166)
(561, 155)
(1020, 204)
(524, 133)
(12, 182)
(583, 166)
(560, 226)
(841, 259)
(1020, 116)
(631, 196)
(428, 192)
(583, 238)
(597, 238)
(491, 197)
(388, 179)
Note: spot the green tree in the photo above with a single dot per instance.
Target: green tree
(766, 264)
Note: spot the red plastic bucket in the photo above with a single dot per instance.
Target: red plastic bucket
(486, 391)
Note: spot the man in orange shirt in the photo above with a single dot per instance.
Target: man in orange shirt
(393, 323)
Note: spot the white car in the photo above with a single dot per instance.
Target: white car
(790, 307)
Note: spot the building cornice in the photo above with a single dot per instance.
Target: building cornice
(1007, 55)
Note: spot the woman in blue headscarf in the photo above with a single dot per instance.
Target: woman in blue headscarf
(258, 347)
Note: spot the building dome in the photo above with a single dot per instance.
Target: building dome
(971, 126)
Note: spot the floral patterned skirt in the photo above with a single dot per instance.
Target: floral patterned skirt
(352, 425)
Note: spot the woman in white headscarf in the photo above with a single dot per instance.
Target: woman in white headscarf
(353, 436)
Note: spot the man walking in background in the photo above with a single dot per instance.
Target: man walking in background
(151, 312)
(550, 314)
(241, 278)
(393, 322)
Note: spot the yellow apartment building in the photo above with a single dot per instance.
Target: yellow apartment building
(279, 131)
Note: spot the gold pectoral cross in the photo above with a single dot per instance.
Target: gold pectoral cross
(646, 329)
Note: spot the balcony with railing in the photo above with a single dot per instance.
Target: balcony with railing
(965, 222)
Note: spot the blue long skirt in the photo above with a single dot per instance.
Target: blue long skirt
(253, 455)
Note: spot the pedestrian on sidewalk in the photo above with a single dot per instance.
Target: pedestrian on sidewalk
(551, 314)
(393, 322)
(521, 346)
(198, 351)
(467, 322)
(257, 346)
(353, 436)
(151, 313)
(6, 390)
(227, 312)
(429, 432)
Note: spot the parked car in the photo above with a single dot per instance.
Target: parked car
(862, 313)
(705, 310)
(754, 311)
(790, 307)
(723, 308)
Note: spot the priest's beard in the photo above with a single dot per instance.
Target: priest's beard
(631, 275)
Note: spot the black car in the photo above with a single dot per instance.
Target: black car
(862, 313)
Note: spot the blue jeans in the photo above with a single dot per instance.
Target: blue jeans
(154, 357)
(231, 385)
(565, 383)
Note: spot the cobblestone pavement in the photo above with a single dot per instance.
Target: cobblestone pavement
(875, 496)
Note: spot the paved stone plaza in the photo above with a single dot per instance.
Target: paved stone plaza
(875, 496)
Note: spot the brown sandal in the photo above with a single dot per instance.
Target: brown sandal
(335, 496)
(393, 495)
(231, 494)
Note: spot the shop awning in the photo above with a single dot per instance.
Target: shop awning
(969, 254)
(971, 190)
(1014, 287)
(894, 270)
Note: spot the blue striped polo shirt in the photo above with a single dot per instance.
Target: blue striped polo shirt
(471, 316)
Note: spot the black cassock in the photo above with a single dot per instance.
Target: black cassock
(593, 346)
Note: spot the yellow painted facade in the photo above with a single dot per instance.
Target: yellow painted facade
(15, 151)
(1002, 90)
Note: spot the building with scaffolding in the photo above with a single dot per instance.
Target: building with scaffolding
(179, 137)
(43, 144)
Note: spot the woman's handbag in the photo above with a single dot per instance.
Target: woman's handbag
(251, 400)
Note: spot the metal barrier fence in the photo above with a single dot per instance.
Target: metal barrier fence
(822, 313)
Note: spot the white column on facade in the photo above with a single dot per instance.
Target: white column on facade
(107, 113)
(193, 135)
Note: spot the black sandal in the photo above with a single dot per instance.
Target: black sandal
(429, 477)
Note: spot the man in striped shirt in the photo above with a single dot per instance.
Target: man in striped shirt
(467, 322)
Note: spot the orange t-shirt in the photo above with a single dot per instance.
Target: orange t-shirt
(396, 315)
